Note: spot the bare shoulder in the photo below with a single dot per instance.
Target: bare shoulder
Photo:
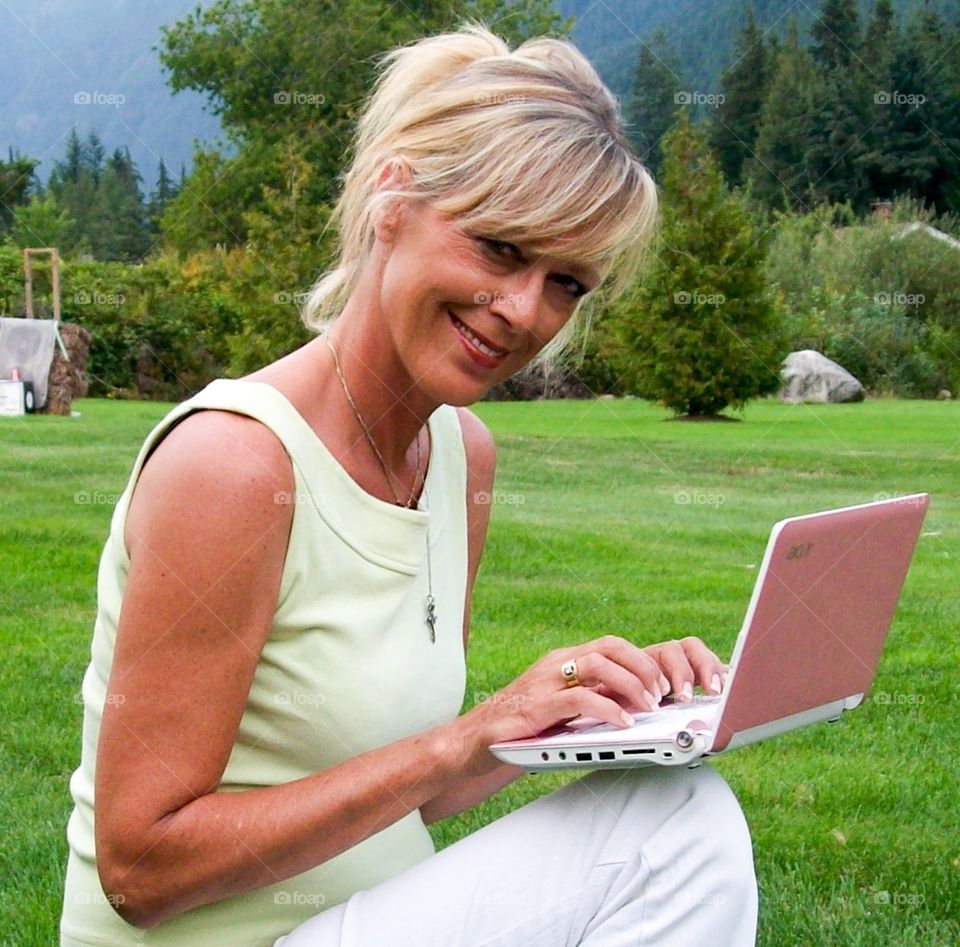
(479, 445)
(214, 465)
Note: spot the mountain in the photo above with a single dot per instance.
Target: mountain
(89, 63)
(703, 32)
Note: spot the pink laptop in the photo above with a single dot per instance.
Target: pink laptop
(808, 650)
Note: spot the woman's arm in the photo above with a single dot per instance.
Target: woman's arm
(207, 543)
(481, 470)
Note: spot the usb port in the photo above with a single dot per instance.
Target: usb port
(584, 757)
(606, 755)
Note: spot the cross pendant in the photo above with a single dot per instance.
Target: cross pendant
(431, 617)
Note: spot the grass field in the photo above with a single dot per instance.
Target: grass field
(606, 519)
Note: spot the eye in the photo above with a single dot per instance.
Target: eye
(500, 248)
(572, 285)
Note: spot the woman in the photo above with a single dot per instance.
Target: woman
(271, 709)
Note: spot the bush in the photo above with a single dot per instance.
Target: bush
(884, 305)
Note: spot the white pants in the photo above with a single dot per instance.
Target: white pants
(618, 858)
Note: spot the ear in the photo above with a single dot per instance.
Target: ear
(394, 175)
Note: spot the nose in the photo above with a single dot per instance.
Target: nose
(517, 301)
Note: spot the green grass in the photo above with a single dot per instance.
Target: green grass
(855, 827)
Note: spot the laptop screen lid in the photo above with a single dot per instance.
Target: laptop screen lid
(821, 608)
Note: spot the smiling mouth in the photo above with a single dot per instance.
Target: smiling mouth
(477, 341)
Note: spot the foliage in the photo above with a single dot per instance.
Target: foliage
(883, 304)
(700, 331)
(733, 131)
(861, 115)
(41, 223)
(274, 92)
(653, 105)
(16, 184)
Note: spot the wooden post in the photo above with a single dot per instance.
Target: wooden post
(27, 284)
(54, 279)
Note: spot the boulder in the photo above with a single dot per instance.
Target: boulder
(810, 376)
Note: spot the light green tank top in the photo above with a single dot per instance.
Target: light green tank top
(348, 666)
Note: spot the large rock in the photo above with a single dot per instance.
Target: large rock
(810, 376)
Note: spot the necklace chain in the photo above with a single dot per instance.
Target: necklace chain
(431, 611)
(391, 479)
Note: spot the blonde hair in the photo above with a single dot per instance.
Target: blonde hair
(525, 146)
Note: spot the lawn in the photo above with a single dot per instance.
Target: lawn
(606, 519)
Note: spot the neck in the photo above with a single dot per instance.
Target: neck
(392, 406)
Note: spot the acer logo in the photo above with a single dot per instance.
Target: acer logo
(798, 552)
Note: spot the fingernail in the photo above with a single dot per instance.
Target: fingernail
(687, 691)
(648, 697)
(657, 695)
(664, 685)
(715, 683)
(626, 718)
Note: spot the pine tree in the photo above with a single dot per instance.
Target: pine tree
(119, 229)
(93, 155)
(936, 45)
(653, 103)
(881, 32)
(836, 34)
(779, 171)
(837, 148)
(16, 182)
(164, 192)
(700, 328)
(70, 168)
(733, 133)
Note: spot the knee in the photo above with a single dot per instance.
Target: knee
(718, 811)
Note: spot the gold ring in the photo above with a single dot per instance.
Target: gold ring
(569, 671)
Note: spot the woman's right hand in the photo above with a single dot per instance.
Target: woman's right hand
(613, 674)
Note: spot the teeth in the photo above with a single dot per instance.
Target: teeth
(477, 343)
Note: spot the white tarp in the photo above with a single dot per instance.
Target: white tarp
(28, 344)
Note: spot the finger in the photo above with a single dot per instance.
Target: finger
(640, 692)
(708, 669)
(583, 701)
(635, 660)
(675, 665)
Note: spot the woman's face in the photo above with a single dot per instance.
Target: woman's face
(464, 310)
